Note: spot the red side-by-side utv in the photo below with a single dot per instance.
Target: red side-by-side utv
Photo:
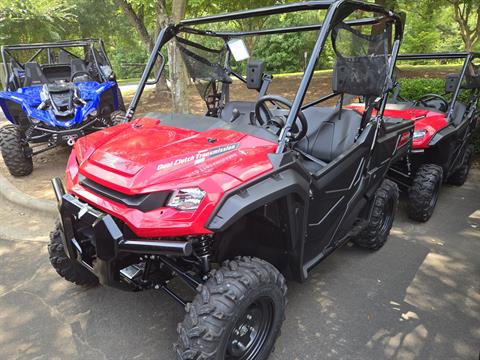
(442, 146)
(233, 202)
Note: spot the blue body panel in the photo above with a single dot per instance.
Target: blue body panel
(29, 99)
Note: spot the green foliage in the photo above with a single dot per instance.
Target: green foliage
(430, 26)
(129, 62)
(413, 89)
(35, 20)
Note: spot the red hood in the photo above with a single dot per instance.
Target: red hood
(146, 156)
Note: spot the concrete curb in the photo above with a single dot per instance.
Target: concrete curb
(15, 196)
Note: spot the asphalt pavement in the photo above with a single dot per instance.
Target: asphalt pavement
(416, 298)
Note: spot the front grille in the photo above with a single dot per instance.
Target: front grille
(142, 202)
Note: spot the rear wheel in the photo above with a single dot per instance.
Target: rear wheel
(384, 207)
(15, 150)
(65, 267)
(459, 177)
(237, 313)
(423, 194)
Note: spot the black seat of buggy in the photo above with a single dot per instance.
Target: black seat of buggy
(77, 66)
(330, 133)
(458, 113)
(34, 75)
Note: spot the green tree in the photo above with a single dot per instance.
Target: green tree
(34, 20)
(467, 16)
(164, 14)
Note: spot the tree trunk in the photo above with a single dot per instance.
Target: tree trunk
(178, 71)
(137, 20)
(463, 12)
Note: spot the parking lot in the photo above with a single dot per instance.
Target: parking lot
(417, 298)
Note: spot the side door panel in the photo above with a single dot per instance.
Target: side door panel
(333, 193)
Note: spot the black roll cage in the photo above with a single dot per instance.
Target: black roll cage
(6, 52)
(337, 10)
(468, 58)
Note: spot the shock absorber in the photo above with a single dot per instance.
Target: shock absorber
(29, 132)
(203, 251)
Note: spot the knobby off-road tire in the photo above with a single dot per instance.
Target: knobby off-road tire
(244, 297)
(13, 151)
(423, 194)
(117, 117)
(459, 177)
(383, 212)
(65, 267)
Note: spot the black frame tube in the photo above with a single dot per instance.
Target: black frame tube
(184, 276)
(283, 9)
(52, 45)
(329, 21)
(287, 30)
(438, 56)
(456, 94)
(156, 247)
(334, 14)
(58, 189)
(165, 35)
(7, 55)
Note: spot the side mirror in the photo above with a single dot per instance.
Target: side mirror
(451, 83)
(238, 49)
(255, 74)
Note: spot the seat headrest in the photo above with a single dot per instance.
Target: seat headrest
(34, 74)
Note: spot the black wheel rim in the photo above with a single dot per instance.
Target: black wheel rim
(388, 218)
(251, 331)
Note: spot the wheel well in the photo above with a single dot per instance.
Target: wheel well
(263, 233)
(17, 115)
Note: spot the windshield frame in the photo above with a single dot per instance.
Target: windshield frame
(336, 12)
(8, 53)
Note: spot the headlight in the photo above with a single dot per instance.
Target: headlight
(186, 199)
(419, 134)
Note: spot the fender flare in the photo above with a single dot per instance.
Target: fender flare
(243, 200)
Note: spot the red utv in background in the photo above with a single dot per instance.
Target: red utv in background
(444, 123)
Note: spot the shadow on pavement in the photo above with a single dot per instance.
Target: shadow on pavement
(416, 298)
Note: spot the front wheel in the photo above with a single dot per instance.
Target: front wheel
(423, 194)
(117, 117)
(237, 313)
(67, 268)
(383, 210)
(14, 150)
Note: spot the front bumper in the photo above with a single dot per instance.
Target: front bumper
(94, 239)
(65, 135)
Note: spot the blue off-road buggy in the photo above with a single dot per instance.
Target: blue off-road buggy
(55, 93)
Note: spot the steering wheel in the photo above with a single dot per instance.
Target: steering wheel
(425, 98)
(79, 73)
(265, 118)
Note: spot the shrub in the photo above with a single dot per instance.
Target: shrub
(413, 89)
